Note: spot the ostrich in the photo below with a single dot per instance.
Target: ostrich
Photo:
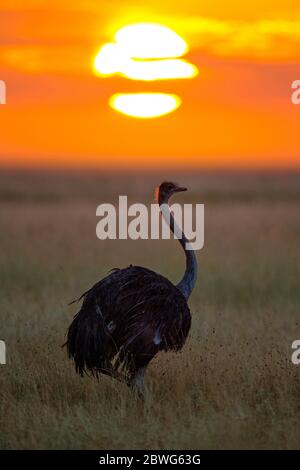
(132, 314)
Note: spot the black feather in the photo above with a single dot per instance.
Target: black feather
(121, 316)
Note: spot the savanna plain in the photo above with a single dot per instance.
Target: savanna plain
(232, 386)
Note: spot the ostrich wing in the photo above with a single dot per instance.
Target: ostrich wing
(131, 312)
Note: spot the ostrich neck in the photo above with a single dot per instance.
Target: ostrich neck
(187, 283)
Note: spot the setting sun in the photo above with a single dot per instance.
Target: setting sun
(150, 40)
(145, 52)
(135, 44)
(145, 105)
(111, 60)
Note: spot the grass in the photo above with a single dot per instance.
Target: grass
(233, 385)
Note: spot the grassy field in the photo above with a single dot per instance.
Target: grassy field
(233, 385)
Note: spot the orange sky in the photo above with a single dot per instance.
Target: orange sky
(236, 113)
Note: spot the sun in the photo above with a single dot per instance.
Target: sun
(145, 52)
(150, 40)
(145, 105)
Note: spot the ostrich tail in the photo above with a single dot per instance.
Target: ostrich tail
(86, 341)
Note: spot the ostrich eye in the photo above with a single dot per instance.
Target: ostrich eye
(170, 187)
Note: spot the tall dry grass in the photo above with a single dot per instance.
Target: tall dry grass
(233, 386)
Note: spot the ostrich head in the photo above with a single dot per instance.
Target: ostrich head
(166, 190)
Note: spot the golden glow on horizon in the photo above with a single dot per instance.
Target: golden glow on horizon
(145, 105)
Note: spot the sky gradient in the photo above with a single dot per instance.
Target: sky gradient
(237, 113)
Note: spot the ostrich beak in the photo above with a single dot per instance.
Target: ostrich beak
(180, 188)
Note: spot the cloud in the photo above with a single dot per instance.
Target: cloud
(265, 39)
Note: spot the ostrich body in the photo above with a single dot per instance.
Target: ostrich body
(132, 314)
